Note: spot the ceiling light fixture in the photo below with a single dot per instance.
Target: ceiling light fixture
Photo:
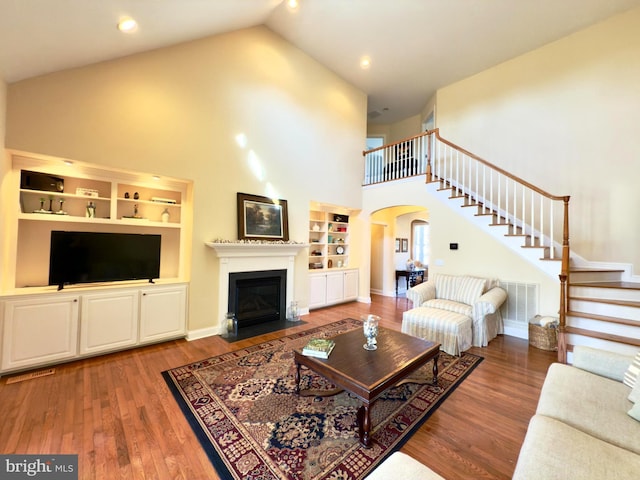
(127, 25)
(292, 4)
(365, 62)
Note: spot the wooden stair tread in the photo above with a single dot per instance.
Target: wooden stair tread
(605, 318)
(594, 270)
(603, 336)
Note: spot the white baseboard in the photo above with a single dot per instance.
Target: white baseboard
(202, 333)
(516, 330)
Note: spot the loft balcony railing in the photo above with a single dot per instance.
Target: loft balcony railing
(542, 219)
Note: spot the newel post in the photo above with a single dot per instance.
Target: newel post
(428, 171)
(564, 286)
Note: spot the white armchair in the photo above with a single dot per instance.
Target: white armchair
(479, 299)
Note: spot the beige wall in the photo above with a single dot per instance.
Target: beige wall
(394, 132)
(565, 117)
(180, 111)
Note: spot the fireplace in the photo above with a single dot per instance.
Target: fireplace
(238, 257)
(258, 296)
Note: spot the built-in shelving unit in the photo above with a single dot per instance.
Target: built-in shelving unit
(328, 239)
(40, 325)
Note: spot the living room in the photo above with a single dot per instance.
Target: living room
(563, 117)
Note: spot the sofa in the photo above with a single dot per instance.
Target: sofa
(457, 311)
(403, 467)
(587, 422)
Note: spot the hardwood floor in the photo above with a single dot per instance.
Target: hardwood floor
(116, 412)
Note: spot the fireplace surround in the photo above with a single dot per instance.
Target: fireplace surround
(258, 296)
(236, 257)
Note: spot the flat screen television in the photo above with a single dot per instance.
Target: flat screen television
(89, 257)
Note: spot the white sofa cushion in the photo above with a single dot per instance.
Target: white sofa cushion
(593, 404)
(447, 286)
(403, 467)
(450, 306)
(469, 290)
(554, 450)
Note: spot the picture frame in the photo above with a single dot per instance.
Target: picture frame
(405, 245)
(262, 218)
(398, 240)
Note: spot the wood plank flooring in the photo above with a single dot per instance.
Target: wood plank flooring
(116, 412)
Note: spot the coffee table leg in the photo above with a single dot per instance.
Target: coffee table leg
(435, 369)
(364, 425)
(297, 378)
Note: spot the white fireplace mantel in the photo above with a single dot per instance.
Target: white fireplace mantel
(248, 257)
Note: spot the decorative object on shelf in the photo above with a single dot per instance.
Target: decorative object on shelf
(318, 347)
(136, 196)
(330, 227)
(230, 325)
(51, 203)
(339, 263)
(87, 192)
(316, 253)
(126, 194)
(316, 227)
(329, 263)
(411, 265)
(293, 315)
(163, 200)
(340, 250)
(262, 218)
(91, 210)
(165, 216)
(370, 328)
(341, 218)
(60, 210)
(405, 245)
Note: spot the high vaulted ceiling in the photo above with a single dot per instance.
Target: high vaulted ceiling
(415, 46)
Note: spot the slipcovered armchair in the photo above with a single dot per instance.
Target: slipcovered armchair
(456, 311)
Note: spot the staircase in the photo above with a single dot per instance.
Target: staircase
(597, 307)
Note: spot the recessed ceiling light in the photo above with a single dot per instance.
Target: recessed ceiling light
(365, 62)
(156, 177)
(292, 4)
(68, 163)
(127, 25)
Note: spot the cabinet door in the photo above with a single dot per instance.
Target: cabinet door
(335, 287)
(39, 331)
(317, 290)
(351, 284)
(108, 321)
(162, 313)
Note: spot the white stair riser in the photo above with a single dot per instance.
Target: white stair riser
(604, 327)
(610, 310)
(602, 344)
(605, 293)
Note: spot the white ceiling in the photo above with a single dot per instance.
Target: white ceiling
(415, 46)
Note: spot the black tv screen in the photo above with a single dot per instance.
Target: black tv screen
(88, 257)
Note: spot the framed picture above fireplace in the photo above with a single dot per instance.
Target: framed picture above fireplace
(262, 218)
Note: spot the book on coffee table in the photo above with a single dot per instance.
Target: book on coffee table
(318, 347)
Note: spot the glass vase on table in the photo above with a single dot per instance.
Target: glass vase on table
(370, 328)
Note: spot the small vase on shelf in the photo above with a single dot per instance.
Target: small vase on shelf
(165, 216)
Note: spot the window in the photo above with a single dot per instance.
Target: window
(420, 238)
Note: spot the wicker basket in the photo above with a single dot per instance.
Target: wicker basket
(544, 338)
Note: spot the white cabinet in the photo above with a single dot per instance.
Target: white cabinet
(38, 331)
(46, 328)
(329, 288)
(109, 321)
(162, 313)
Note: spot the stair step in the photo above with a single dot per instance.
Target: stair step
(603, 336)
(605, 318)
(586, 275)
(609, 301)
(614, 285)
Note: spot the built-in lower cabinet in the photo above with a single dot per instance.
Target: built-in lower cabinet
(329, 288)
(46, 328)
(162, 313)
(39, 330)
(108, 321)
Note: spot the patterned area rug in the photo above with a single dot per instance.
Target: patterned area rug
(244, 409)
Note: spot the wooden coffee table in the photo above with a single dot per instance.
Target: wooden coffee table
(367, 374)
